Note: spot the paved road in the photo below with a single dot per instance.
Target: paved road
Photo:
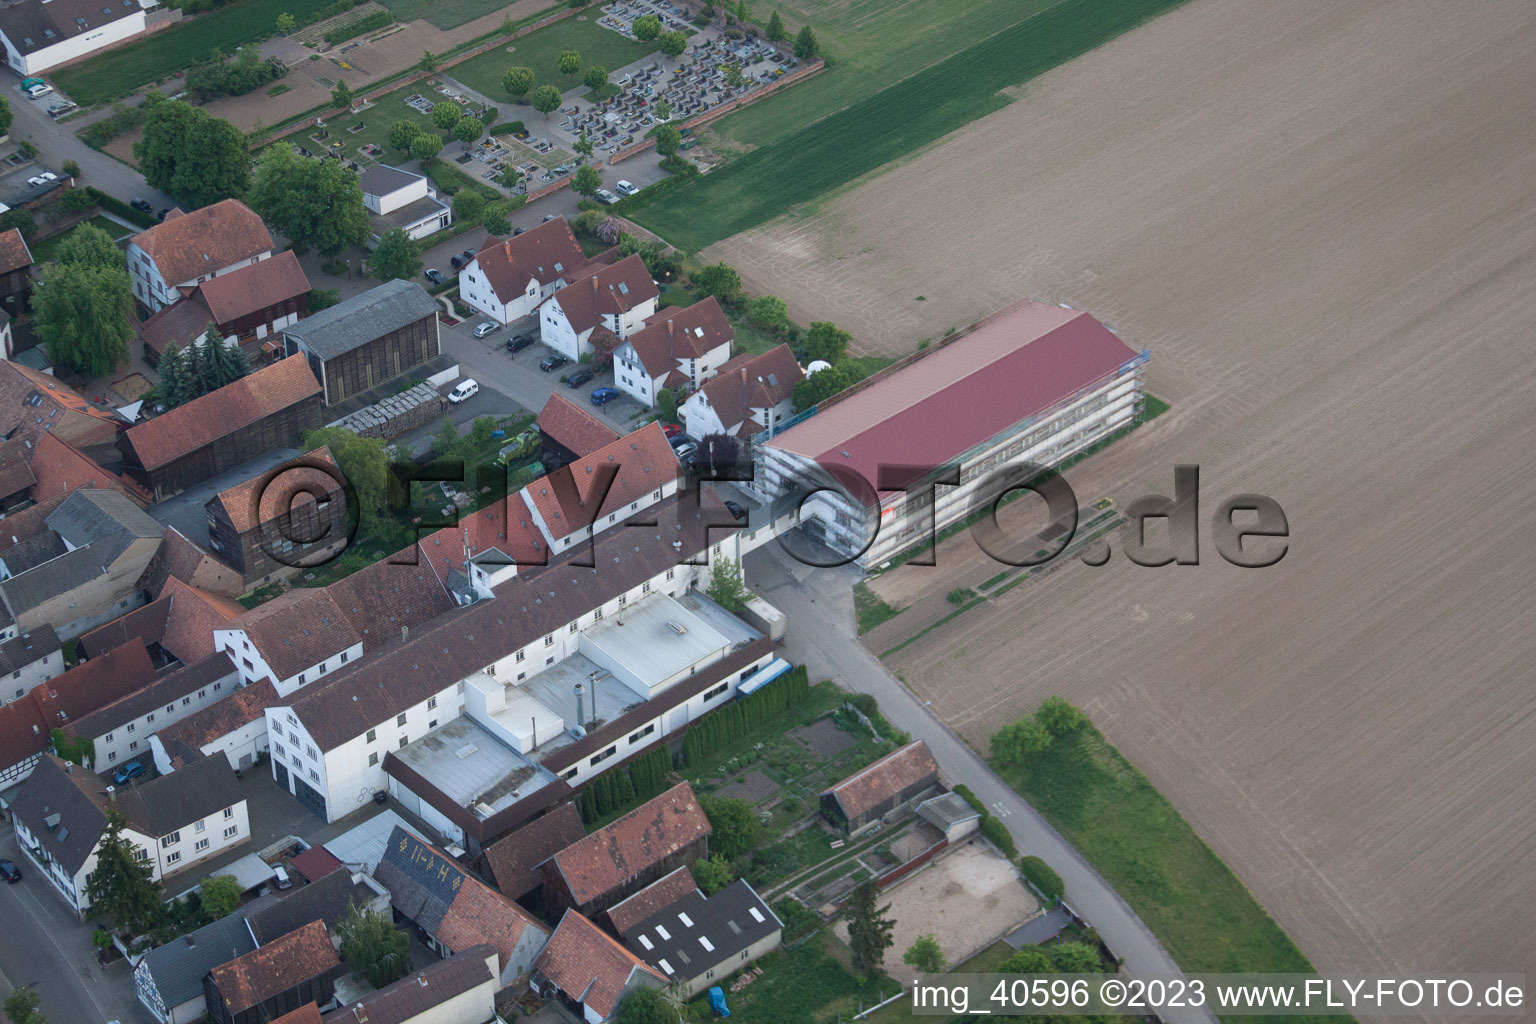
(57, 143)
(818, 603)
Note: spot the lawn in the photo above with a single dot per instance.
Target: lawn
(1190, 899)
(806, 985)
(540, 51)
(121, 71)
(376, 120)
(446, 14)
(812, 160)
(870, 609)
(48, 248)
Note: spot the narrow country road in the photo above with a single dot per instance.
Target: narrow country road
(57, 143)
(822, 635)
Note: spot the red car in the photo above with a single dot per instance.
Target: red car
(671, 429)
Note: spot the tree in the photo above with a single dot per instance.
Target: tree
(717, 456)
(396, 258)
(646, 1006)
(426, 145)
(226, 362)
(221, 895)
(69, 167)
(583, 145)
(926, 955)
(1075, 958)
(469, 130)
(713, 874)
(569, 62)
(323, 298)
(663, 109)
(596, 78)
(76, 200)
(373, 947)
(122, 885)
(545, 99)
(869, 928)
(89, 246)
(768, 312)
(517, 81)
(775, 30)
(315, 203)
(84, 315)
(735, 77)
(19, 219)
(446, 440)
(1059, 717)
(806, 45)
(402, 132)
(822, 385)
(726, 588)
(1029, 960)
(668, 138)
(173, 389)
(1016, 742)
(741, 10)
(666, 406)
(826, 341)
(446, 114)
(721, 281)
(735, 825)
(6, 116)
(646, 27)
(21, 1007)
(364, 461)
(428, 62)
(468, 205)
(81, 751)
(196, 157)
(286, 23)
(587, 180)
(342, 95)
(672, 43)
(495, 220)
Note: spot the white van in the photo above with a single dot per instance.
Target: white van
(281, 877)
(39, 91)
(465, 390)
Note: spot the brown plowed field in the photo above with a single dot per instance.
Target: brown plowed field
(1321, 219)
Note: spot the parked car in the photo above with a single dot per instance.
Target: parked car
(10, 872)
(579, 378)
(61, 108)
(455, 262)
(736, 510)
(141, 205)
(671, 429)
(281, 877)
(486, 327)
(27, 83)
(128, 772)
(37, 92)
(518, 231)
(464, 391)
(678, 439)
(602, 396)
(684, 450)
(605, 197)
(434, 275)
(625, 188)
(548, 217)
(518, 342)
(553, 363)
(468, 255)
(163, 212)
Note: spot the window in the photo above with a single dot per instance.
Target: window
(645, 588)
(324, 668)
(549, 640)
(301, 678)
(404, 740)
(131, 726)
(431, 703)
(400, 718)
(166, 842)
(201, 694)
(373, 734)
(623, 600)
(601, 757)
(217, 687)
(232, 831)
(172, 858)
(229, 812)
(314, 775)
(519, 656)
(170, 709)
(108, 737)
(373, 759)
(148, 718)
(570, 773)
(716, 691)
(200, 828)
(637, 737)
(186, 702)
(111, 755)
(671, 573)
(202, 844)
(141, 853)
(312, 754)
(133, 745)
(343, 657)
(597, 614)
(571, 628)
(277, 748)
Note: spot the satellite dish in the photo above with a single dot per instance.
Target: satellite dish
(817, 365)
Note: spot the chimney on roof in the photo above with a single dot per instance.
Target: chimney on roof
(405, 633)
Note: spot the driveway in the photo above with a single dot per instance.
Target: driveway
(823, 636)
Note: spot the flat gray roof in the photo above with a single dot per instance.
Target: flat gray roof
(652, 640)
(364, 844)
(470, 766)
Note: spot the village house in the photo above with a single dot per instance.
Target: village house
(174, 821)
(676, 350)
(514, 859)
(508, 278)
(235, 726)
(589, 972)
(268, 408)
(368, 339)
(291, 971)
(291, 517)
(748, 395)
(16, 476)
(33, 403)
(400, 199)
(28, 659)
(568, 432)
(168, 979)
(15, 276)
(39, 36)
(122, 730)
(247, 307)
(168, 261)
(890, 785)
(698, 941)
(602, 305)
(459, 990)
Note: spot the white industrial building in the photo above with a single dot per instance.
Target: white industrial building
(400, 199)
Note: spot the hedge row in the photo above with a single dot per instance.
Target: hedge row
(1040, 874)
(991, 827)
(729, 724)
(122, 209)
(641, 778)
(341, 33)
(505, 128)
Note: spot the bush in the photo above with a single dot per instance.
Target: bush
(505, 128)
(997, 832)
(1039, 874)
(342, 33)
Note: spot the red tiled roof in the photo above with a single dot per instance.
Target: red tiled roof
(33, 402)
(622, 849)
(384, 596)
(60, 468)
(750, 382)
(264, 498)
(315, 863)
(515, 857)
(309, 1013)
(185, 246)
(545, 254)
(14, 253)
(191, 618)
(675, 334)
(588, 966)
(284, 963)
(145, 623)
(1016, 364)
(217, 414)
(644, 460)
(653, 899)
(220, 718)
(508, 528)
(298, 629)
(574, 428)
(480, 914)
(601, 289)
(26, 724)
(181, 558)
(179, 322)
(254, 288)
(15, 467)
(896, 771)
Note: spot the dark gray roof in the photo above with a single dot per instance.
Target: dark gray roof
(166, 690)
(419, 887)
(21, 651)
(362, 318)
(61, 575)
(420, 991)
(702, 932)
(100, 525)
(95, 513)
(178, 967)
(32, 26)
(327, 899)
(382, 179)
(56, 809)
(33, 552)
(173, 801)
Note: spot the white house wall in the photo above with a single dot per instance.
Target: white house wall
(74, 47)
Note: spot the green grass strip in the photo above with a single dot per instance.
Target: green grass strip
(890, 124)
